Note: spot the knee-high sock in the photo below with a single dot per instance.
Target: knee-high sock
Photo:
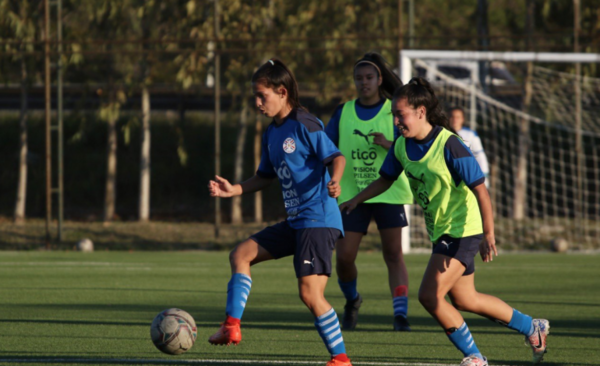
(328, 327)
(349, 289)
(238, 290)
(400, 300)
(522, 323)
(462, 339)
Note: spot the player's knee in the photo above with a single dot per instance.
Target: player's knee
(459, 305)
(344, 260)
(392, 257)
(237, 257)
(428, 299)
(307, 297)
(465, 303)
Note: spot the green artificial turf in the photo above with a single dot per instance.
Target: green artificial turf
(96, 308)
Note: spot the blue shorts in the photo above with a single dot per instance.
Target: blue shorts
(464, 249)
(386, 216)
(312, 248)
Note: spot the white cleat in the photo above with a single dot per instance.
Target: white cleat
(474, 361)
(537, 341)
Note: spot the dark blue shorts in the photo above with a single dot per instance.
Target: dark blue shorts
(464, 249)
(386, 216)
(312, 248)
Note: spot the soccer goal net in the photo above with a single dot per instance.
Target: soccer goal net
(544, 162)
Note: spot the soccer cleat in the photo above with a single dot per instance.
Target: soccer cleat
(226, 335)
(334, 362)
(537, 341)
(350, 317)
(473, 360)
(401, 324)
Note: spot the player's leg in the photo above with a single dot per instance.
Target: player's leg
(346, 252)
(312, 262)
(465, 297)
(355, 227)
(390, 220)
(448, 263)
(262, 246)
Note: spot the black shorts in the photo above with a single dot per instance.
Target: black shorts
(386, 216)
(464, 249)
(312, 248)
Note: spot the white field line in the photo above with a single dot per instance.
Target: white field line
(196, 362)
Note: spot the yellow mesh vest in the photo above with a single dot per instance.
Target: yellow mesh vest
(448, 209)
(364, 158)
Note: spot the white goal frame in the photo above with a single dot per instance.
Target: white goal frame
(405, 68)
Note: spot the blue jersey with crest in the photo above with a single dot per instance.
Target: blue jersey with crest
(297, 152)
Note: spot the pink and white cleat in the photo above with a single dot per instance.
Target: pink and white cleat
(537, 341)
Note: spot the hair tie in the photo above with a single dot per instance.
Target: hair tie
(272, 63)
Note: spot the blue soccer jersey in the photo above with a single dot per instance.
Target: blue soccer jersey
(297, 152)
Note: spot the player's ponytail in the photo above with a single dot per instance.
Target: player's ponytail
(418, 92)
(274, 74)
(390, 81)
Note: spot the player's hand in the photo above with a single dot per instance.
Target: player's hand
(379, 139)
(220, 187)
(487, 248)
(334, 189)
(348, 206)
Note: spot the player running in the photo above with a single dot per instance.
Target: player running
(296, 150)
(363, 129)
(448, 184)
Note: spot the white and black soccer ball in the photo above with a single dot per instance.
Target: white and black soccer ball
(173, 331)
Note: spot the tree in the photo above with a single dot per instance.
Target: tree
(20, 17)
(94, 21)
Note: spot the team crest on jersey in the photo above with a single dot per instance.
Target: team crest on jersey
(289, 145)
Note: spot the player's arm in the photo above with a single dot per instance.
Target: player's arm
(389, 173)
(220, 187)
(488, 249)
(337, 170)
(379, 139)
(373, 190)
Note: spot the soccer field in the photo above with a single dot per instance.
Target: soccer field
(81, 309)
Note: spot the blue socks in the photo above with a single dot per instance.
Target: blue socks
(328, 327)
(349, 289)
(400, 300)
(462, 339)
(238, 290)
(522, 323)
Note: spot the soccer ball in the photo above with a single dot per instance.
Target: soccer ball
(85, 245)
(173, 331)
(559, 245)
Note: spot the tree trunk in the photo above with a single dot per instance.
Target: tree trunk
(520, 195)
(22, 185)
(111, 169)
(258, 211)
(144, 209)
(236, 202)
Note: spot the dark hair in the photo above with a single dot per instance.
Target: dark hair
(419, 92)
(274, 74)
(456, 108)
(390, 81)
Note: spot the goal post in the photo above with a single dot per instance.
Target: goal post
(544, 154)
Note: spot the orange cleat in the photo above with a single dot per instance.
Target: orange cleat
(335, 362)
(226, 335)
